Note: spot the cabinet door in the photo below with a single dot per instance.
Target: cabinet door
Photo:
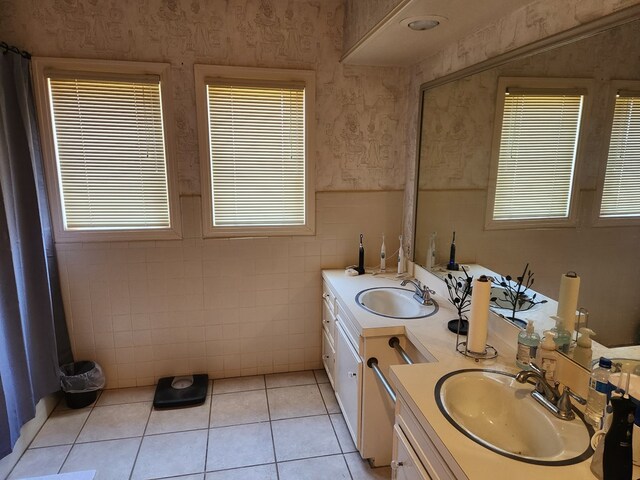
(348, 382)
(328, 357)
(405, 464)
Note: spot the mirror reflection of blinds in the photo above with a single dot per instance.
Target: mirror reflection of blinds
(537, 155)
(257, 154)
(110, 152)
(621, 191)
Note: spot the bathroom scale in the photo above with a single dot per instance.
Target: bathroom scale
(181, 391)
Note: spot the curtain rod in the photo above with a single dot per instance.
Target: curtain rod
(10, 48)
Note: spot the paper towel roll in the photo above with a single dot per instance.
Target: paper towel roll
(479, 315)
(568, 299)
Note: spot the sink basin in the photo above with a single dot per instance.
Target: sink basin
(497, 412)
(394, 302)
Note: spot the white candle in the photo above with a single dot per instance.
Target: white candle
(479, 315)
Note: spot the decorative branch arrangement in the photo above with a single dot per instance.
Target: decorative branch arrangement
(515, 296)
(460, 292)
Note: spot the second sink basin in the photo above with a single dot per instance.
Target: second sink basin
(394, 302)
(497, 412)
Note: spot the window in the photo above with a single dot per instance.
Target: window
(535, 151)
(620, 196)
(256, 150)
(106, 149)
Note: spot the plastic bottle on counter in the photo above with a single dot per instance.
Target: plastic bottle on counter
(528, 342)
(598, 389)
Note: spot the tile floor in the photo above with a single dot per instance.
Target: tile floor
(284, 426)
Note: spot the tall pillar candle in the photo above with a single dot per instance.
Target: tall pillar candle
(479, 315)
(568, 299)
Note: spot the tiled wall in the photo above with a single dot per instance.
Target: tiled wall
(227, 307)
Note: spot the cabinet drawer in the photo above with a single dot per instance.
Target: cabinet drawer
(328, 357)
(348, 382)
(329, 322)
(423, 446)
(405, 464)
(329, 298)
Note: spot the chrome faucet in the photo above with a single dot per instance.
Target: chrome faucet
(422, 294)
(548, 395)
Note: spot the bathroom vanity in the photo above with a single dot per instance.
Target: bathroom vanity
(413, 435)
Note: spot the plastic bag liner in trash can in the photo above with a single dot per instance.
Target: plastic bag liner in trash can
(80, 382)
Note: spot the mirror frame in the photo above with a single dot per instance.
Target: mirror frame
(566, 37)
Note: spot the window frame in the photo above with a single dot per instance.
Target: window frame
(87, 67)
(533, 83)
(597, 220)
(205, 73)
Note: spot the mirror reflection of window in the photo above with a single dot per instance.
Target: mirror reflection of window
(621, 189)
(535, 152)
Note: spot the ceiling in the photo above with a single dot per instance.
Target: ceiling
(393, 43)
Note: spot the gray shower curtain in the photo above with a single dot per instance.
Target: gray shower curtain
(33, 334)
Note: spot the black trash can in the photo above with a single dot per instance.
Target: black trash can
(80, 383)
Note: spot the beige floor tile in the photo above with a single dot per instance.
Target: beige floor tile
(321, 376)
(322, 468)
(179, 419)
(40, 461)
(61, 428)
(115, 421)
(239, 446)
(261, 472)
(238, 384)
(126, 395)
(239, 408)
(290, 402)
(171, 454)
(361, 470)
(197, 476)
(342, 432)
(112, 460)
(304, 437)
(329, 398)
(290, 379)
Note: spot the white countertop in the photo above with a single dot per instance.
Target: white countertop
(416, 383)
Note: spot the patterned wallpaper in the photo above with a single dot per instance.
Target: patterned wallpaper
(359, 110)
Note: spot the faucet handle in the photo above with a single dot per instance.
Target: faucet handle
(581, 400)
(565, 409)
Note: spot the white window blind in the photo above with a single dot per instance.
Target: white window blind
(257, 154)
(537, 155)
(110, 153)
(621, 191)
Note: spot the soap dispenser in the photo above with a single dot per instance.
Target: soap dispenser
(562, 335)
(582, 353)
(548, 356)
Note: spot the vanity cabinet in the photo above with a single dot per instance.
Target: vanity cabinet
(348, 387)
(366, 406)
(329, 308)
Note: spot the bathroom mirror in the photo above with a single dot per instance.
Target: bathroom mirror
(455, 148)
